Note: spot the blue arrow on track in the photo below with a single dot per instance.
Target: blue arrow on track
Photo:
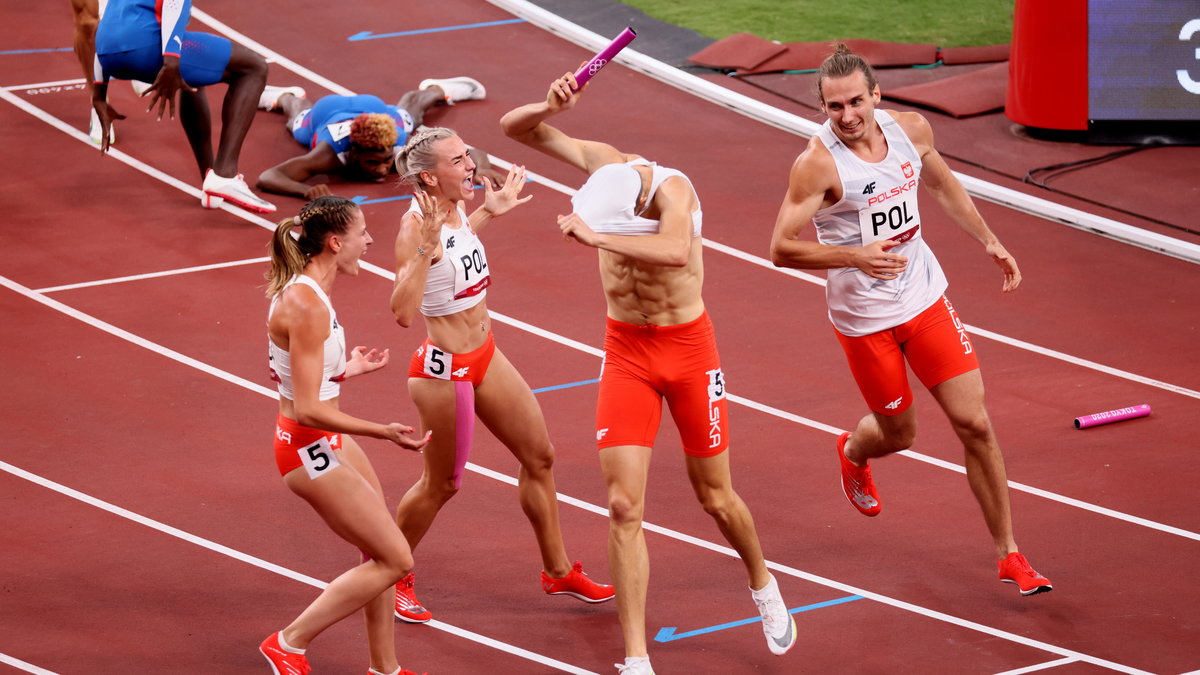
(668, 634)
(368, 35)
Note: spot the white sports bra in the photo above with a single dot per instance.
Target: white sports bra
(459, 279)
(280, 360)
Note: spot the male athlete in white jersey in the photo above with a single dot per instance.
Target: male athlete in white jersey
(857, 183)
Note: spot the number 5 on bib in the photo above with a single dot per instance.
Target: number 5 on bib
(318, 458)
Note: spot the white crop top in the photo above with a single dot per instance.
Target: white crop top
(280, 360)
(879, 201)
(459, 279)
(607, 200)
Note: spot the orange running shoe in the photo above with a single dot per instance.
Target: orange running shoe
(857, 483)
(407, 607)
(1015, 569)
(282, 661)
(578, 584)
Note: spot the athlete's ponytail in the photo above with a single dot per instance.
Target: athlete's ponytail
(320, 218)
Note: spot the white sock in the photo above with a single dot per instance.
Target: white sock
(286, 647)
(767, 591)
(372, 671)
(637, 660)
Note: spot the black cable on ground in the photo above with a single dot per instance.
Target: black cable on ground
(1056, 170)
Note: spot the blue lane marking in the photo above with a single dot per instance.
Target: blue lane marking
(668, 634)
(362, 199)
(566, 386)
(36, 51)
(368, 35)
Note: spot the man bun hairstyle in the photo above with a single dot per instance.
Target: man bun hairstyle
(843, 62)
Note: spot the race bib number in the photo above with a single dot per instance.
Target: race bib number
(406, 121)
(896, 219)
(318, 458)
(471, 274)
(716, 385)
(438, 363)
(339, 130)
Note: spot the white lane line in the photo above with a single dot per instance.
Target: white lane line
(21, 665)
(1037, 667)
(263, 564)
(154, 275)
(77, 82)
(679, 536)
(756, 110)
(269, 54)
(501, 318)
(559, 187)
(135, 339)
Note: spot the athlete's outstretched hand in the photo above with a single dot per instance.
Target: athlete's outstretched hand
(1012, 274)
(399, 434)
(431, 221)
(107, 115)
(500, 199)
(162, 92)
(363, 361)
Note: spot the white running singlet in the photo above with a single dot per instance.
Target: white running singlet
(459, 279)
(879, 201)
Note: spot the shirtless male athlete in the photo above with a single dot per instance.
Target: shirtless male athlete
(659, 343)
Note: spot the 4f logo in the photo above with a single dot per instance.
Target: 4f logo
(600, 433)
(895, 404)
(870, 189)
(461, 372)
(450, 241)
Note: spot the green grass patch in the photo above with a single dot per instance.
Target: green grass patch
(963, 23)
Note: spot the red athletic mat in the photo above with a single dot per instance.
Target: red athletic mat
(963, 95)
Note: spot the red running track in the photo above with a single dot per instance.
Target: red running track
(148, 532)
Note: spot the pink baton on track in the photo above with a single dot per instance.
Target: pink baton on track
(1110, 416)
(600, 60)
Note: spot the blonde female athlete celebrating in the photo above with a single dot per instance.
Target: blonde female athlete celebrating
(316, 456)
(458, 373)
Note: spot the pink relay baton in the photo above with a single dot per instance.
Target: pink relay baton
(589, 69)
(1110, 416)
